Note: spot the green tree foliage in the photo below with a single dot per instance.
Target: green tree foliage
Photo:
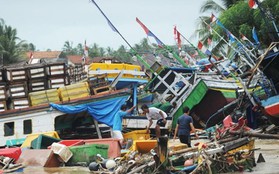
(109, 51)
(211, 6)
(123, 53)
(94, 51)
(68, 48)
(11, 47)
(28, 47)
(239, 19)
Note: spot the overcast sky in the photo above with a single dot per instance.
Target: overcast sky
(49, 23)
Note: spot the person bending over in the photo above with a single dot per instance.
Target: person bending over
(153, 113)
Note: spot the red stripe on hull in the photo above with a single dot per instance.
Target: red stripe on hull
(272, 110)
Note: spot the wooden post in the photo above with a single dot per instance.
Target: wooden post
(255, 134)
(97, 129)
(162, 153)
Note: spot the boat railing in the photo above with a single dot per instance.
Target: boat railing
(116, 72)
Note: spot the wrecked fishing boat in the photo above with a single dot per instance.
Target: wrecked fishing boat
(30, 111)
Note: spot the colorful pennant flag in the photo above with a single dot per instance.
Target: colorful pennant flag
(85, 52)
(111, 26)
(149, 33)
(177, 37)
(109, 23)
(244, 38)
(213, 18)
(203, 48)
(230, 36)
(252, 4)
(218, 22)
(85, 49)
(255, 37)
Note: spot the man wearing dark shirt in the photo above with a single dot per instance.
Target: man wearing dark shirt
(184, 127)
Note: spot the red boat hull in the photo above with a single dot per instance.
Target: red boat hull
(272, 110)
(11, 152)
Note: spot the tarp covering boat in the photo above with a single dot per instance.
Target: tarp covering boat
(103, 111)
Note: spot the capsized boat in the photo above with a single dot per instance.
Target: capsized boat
(204, 93)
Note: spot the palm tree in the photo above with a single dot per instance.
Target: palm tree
(102, 52)
(202, 31)
(109, 51)
(80, 49)
(11, 50)
(68, 47)
(94, 51)
(122, 54)
(211, 6)
(28, 47)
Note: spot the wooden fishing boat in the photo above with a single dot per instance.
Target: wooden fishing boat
(18, 123)
(271, 106)
(146, 97)
(271, 109)
(87, 153)
(127, 74)
(204, 93)
(205, 98)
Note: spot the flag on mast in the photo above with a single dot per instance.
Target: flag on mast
(85, 49)
(31, 55)
(85, 52)
(230, 36)
(255, 37)
(213, 18)
(177, 37)
(252, 4)
(203, 48)
(149, 33)
(244, 38)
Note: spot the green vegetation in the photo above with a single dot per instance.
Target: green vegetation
(11, 47)
(239, 19)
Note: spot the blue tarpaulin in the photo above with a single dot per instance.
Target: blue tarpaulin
(103, 111)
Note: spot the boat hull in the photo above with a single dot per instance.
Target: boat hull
(271, 106)
(44, 118)
(271, 109)
(204, 101)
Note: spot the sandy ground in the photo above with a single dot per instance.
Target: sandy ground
(268, 148)
(270, 151)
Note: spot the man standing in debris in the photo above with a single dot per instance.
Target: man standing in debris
(153, 113)
(117, 122)
(184, 127)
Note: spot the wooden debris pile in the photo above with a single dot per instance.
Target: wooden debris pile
(229, 149)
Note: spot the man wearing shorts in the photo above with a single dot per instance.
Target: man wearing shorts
(117, 123)
(153, 113)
